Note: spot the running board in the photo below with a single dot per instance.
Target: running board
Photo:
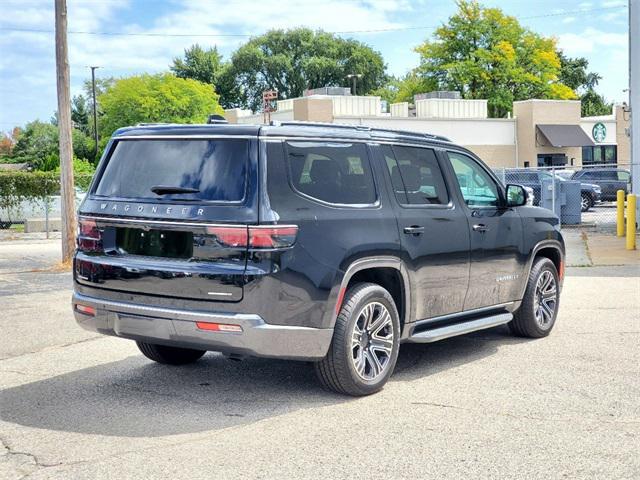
(461, 328)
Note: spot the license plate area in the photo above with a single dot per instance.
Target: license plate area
(154, 243)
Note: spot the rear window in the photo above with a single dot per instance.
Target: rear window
(337, 173)
(214, 170)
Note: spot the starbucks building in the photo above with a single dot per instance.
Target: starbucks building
(538, 133)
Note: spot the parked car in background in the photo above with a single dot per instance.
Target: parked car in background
(590, 194)
(610, 180)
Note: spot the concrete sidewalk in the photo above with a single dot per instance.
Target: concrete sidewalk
(588, 248)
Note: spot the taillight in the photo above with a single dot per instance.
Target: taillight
(255, 237)
(89, 235)
(230, 236)
(272, 237)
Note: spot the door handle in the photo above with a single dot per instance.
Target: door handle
(480, 228)
(414, 230)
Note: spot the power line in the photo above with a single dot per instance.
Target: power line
(246, 35)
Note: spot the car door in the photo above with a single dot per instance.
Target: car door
(496, 237)
(433, 230)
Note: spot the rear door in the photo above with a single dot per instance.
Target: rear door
(169, 217)
(433, 230)
(608, 180)
(495, 232)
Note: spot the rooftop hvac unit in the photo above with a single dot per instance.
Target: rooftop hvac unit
(438, 94)
(340, 91)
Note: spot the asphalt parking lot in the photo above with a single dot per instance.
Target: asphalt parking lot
(487, 405)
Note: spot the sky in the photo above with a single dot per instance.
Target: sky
(126, 37)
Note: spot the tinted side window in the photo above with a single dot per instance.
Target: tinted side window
(416, 176)
(332, 172)
(477, 187)
(623, 176)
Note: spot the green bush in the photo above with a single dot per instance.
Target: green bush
(35, 187)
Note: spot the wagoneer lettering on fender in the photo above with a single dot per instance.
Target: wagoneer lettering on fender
(316, 242)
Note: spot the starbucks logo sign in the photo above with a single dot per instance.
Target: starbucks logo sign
(599, 132)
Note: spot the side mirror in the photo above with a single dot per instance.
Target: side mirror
(516, 196)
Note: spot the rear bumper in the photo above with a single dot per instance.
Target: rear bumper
(178, 328)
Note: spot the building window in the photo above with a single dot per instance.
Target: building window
(600, 154)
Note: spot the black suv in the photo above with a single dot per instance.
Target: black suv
(610, 180)
(317, 242)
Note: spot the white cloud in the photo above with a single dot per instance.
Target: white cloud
(567, 20)
(27, 61)
(590, 40)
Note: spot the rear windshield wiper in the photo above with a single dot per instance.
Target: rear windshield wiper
(165, 190)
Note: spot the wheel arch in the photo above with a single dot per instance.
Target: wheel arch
(551, 249)
(388, 272)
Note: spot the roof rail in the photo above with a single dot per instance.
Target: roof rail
(366, 128)
(301, 123)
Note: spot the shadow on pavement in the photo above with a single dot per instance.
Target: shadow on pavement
(136, 398)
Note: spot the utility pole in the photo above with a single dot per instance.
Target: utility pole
(354, 77)
(67, 191)
(95, 114)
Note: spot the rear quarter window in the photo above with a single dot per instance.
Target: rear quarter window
(216, 169)
(332, 172)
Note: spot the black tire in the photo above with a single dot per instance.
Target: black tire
(586, 202)
(169, 355)
(525, 322)
(337, 371)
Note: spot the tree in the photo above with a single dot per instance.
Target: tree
(485, 54)
(38, 145)
(199, 64)
(573, 73)
(291, 61)
(8, 142)
(207, 66)
(405, 88)
(155, 98)
(80, 113)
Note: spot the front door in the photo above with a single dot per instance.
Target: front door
(495, 232)
(433, 230)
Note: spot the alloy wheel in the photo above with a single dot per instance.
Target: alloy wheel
(545, 300)
(372, 341)
(584, 203)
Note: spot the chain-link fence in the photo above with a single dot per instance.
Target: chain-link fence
(579, 195)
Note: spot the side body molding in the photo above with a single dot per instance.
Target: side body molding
(371, 263)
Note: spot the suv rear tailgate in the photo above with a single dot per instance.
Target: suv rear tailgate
(169, 216)
(169, 259)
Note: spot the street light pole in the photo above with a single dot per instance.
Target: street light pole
(95, 114)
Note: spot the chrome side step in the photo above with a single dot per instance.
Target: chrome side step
(440, 333)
